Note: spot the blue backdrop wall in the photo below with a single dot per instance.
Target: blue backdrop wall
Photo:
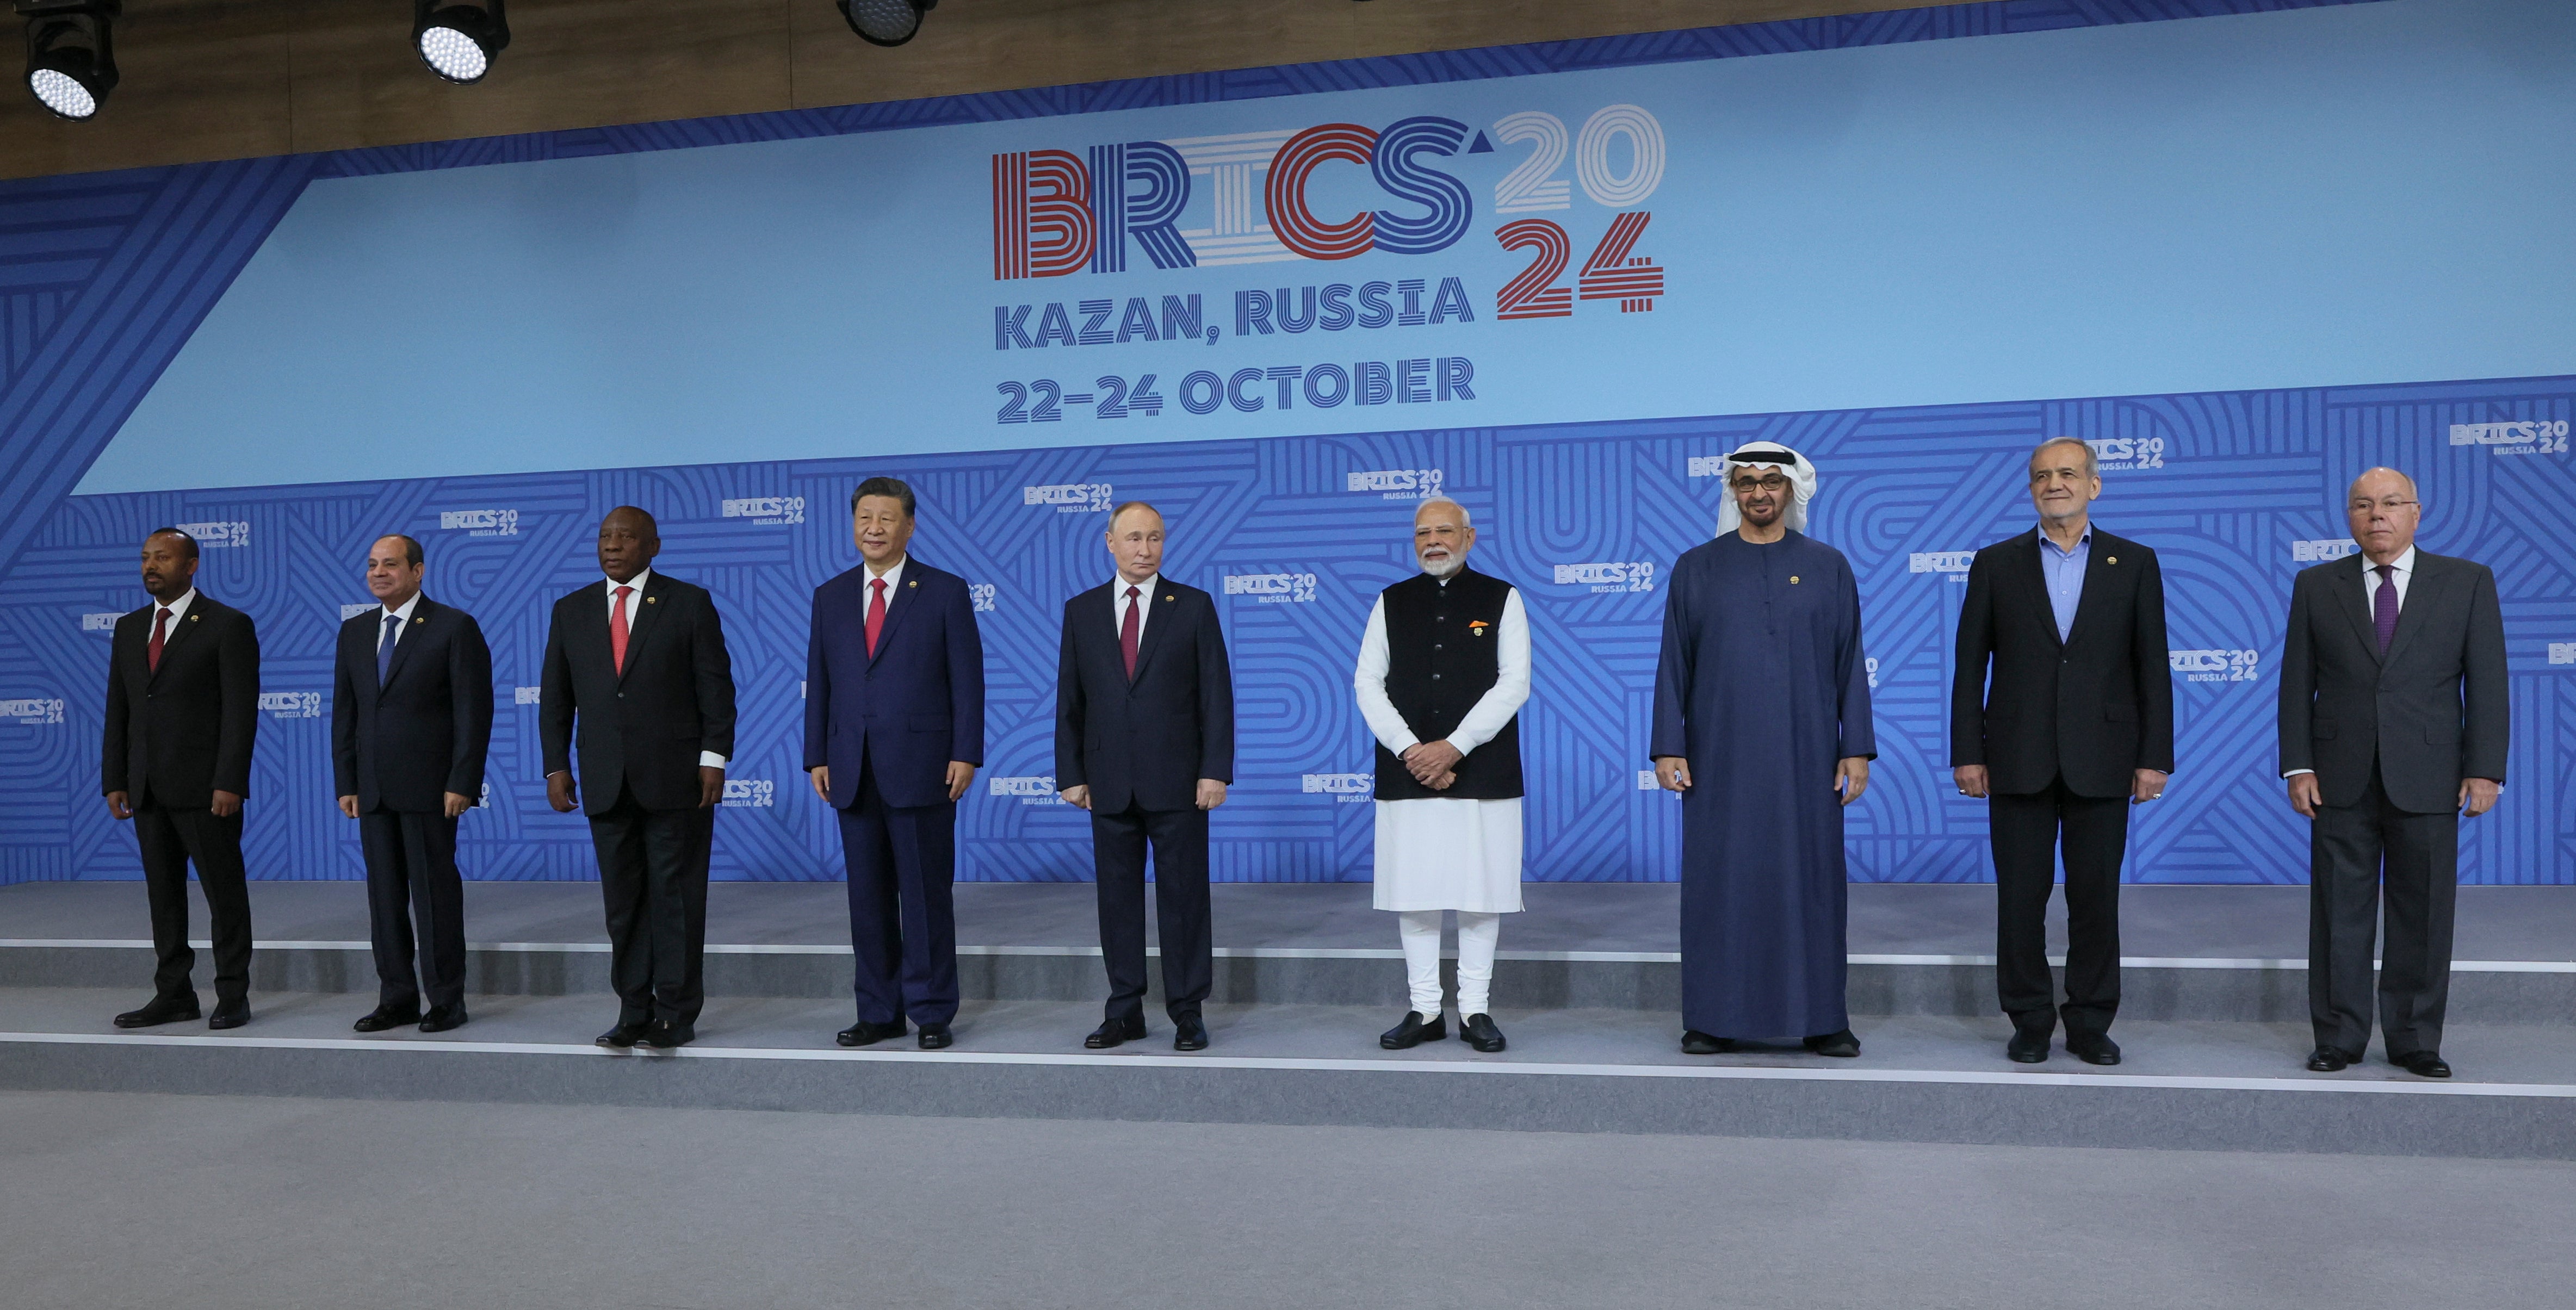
(264, 351)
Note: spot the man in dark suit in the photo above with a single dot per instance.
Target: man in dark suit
(2075, 727)
(411, 717)
(2393, 724)
(638, 662)
(1144, 740)
(182, 708)
(894, 730)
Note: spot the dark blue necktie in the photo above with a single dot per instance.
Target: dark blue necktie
(385, 649)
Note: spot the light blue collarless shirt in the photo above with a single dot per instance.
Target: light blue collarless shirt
(2063, 570)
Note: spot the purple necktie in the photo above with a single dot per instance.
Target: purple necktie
(2383, 606)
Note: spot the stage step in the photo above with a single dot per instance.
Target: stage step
(2212, 1086)
(2215, 990)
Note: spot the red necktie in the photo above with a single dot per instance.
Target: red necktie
(1127, 634)
(876, 614)
(617, 628)
(160, 631)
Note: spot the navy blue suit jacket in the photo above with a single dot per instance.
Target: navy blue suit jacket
(1143, 741)
(424, 732)
(910, 710)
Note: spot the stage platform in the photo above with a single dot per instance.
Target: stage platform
(2214, 1021)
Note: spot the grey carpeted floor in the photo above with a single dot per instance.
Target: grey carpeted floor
(211, 1202)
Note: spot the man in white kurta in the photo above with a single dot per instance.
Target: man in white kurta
(1443, 672)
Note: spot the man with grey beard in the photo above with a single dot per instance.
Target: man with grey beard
(1443, 672)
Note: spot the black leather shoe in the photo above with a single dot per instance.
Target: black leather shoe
(936, 1037)
(1478, 1030)
(387, 1016)
(2093, 1048)
(2029, 1044)
(1113, 1032)
(2326, 1059)
(231, 1014)
(1189, 1033)
(2422, 1064)
(1695, 1042)
(667, 1035)
(442, 1017)
(1842, 1045)
(159, 1012)
(621, 1037)
(864, 1033)
(1414, 1031)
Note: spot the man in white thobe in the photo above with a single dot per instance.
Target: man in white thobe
(1443, 672)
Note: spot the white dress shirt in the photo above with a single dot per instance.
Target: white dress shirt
(2402, 573)
(1492, 710)
(2404, 566)
(178, 609)
(1118, 604)
(706, 759)
(402, 612)
(894, 584)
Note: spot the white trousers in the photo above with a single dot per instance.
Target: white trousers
(1477, 933)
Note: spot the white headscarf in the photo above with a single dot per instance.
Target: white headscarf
(1801, 475)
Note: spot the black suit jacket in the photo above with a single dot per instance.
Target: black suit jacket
(1145, 742)
(2432, 712)
(423, 733)
(2093, 708)
(641, 731)
(177, 736)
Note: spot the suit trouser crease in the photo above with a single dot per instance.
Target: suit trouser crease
(2357, 855)
(171, 841)
(653, 877)
(2029, 834)
(1179, 841)
(413, 882)
(902, 863)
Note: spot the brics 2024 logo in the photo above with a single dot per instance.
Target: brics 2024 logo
(32, 711)
(480, 522)
(1056, 212)
(1029, 790)
(750, 793)
(767, 511)
(1272, 588)
(217, 535)
(981, 594)
(291, 704)
(1070, 497)
(1638, 575)
(1950, 563)
(1343, 787)
(2536, 437)
(2114, 454)
(2215, 665)
(2322, 550)
(1396, 484)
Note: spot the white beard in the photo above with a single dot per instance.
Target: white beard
(1446, 569)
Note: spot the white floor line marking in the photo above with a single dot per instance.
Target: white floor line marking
(1297, 953)
(1294, 1063)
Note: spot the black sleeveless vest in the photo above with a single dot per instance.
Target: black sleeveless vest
(1443, 655)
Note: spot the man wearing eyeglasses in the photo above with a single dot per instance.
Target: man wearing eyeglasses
(2393, 725)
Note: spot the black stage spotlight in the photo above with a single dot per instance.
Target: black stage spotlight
(71, 60)
(459, 42)
(885, 22)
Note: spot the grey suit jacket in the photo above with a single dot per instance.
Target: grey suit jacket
(2431, 712)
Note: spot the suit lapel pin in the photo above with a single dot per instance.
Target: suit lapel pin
(1168, 599)
(194, 617)
(652, 600)
(914, 583)
(1793, 579)
(2112, 560)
